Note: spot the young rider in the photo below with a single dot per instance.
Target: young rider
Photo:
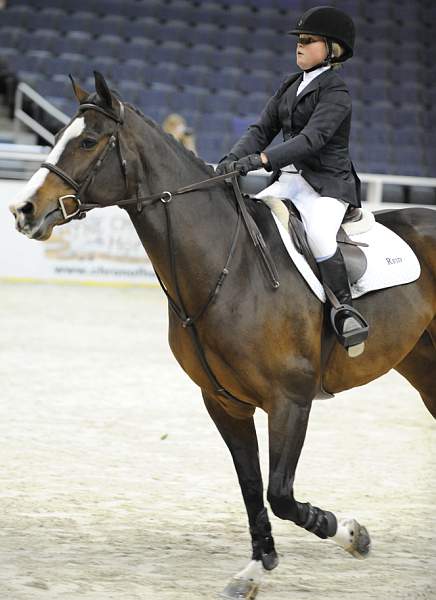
(312, 165)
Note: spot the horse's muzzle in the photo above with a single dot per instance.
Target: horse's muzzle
(27, 223)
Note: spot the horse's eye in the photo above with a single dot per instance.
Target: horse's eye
(88, 143)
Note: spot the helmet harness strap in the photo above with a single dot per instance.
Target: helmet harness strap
(328, 59)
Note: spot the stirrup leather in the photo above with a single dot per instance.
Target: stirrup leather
(354, 336)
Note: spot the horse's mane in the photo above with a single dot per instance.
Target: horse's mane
(180, 149)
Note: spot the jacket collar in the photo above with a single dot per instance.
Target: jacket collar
(313, 85)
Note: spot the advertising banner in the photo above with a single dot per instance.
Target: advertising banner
(103, 248)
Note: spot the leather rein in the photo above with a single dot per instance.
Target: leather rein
(166, 197)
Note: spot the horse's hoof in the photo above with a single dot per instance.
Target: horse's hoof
(353, 537)
(361, 545)
(270, 561)
(240, 589)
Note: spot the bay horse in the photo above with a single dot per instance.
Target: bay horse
(245, 343)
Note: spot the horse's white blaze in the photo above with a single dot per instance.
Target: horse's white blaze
(36, 181)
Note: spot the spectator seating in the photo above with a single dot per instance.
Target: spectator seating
(216, 62)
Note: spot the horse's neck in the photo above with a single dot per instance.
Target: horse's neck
(201, 229)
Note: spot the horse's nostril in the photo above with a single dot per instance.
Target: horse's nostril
(26, 208)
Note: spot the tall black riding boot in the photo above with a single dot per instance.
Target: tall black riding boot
(350, 327)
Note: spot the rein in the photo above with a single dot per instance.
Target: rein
(166, 197)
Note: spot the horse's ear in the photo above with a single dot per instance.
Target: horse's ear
(103, 89)
(79, 92)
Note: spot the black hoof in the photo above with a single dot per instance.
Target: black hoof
(270, 561)
(362, 543)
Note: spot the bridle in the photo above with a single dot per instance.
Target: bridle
(80, 187)
(166, 197)
(138, 200)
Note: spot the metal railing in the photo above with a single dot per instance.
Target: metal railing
(25, 91)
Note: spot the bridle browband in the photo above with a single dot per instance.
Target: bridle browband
(166, 197)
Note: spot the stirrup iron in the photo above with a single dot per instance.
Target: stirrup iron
(355, 335)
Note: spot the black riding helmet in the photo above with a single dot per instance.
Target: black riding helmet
(330, 23)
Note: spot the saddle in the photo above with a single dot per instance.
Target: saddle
(355, 221)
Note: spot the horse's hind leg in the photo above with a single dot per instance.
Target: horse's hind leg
(241, 439)
(419, 367)
(287, 429)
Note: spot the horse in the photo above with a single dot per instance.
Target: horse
(246, 343)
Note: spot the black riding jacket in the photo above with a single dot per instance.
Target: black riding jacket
(316, 131)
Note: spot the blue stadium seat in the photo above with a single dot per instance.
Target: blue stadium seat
(378, 89)
(191, 98)
(211, 13)
(135, 49)
(131, 91)
(377, 112)
(84, 21)
(113, 25)
(258, 81)
(197, 75)
(271, 18)
(51, 18)
(205, 54)
(174, 52)
(244, 16)
(408, 135)
(254, 103)
(206, 33)
(262, 39)
(219, 122)
(211, 147)
(176, 10)
(16, 16)
(223, 101)
(168, 73)
(131, 70)
(107, 45)
(77, 42)
(227, 78)
(10, 36)
(177, 31)
(235, 35)
(42, 39)
(147, 27)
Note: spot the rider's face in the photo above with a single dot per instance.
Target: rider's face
(311, 50)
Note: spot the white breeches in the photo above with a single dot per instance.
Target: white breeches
(322, 216)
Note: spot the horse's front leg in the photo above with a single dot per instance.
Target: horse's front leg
(287, 424)
(241, 439)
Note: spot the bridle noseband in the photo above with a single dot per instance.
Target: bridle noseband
(80, 187)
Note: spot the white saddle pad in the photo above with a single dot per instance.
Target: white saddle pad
(390, 261)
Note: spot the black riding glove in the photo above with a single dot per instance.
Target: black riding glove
(226, 164)
(252, 162)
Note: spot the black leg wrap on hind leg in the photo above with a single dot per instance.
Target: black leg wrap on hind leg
(320, 522)
(263, 542)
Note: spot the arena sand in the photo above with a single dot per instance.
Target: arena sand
(116, 485)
